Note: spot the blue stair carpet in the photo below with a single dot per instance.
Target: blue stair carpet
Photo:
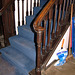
(23, 45)
(7, 69)
(18, 59)
(22, 51)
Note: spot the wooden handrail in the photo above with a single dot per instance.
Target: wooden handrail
(43, 13)
(39, 29)
(5, 7)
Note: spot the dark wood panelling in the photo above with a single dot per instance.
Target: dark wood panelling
(8, 20)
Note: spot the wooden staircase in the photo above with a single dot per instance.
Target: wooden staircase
(31, 49)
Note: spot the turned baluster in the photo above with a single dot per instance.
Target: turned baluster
(67, 14)
(53, 31)
(34, 3)
(39, 31)
(18, 14)
(63, 11)
(70, 1)
(26, 7)
(38, 3)
(59, 14)
(44, 39)
(67, 5)
(30, 7)
(22, 12)
(73, 1)
(49, 28)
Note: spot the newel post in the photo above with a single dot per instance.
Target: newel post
(39, 31)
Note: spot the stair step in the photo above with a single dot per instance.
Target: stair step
(26, 33)
(18, 59)
(23, 45)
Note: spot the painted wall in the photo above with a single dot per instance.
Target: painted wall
(66, 41)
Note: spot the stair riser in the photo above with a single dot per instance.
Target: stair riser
(42, 2)
(29, 20)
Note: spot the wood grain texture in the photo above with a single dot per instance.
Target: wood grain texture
(39, 41)
(44, 38)
(5, 7)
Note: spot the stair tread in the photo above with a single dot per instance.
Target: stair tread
(8, 69)
(36, 10)
(23, 45)
(25, 27)
(23, 41)
(18, 58)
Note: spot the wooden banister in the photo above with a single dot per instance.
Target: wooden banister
(43, 13)
(46, 44)
(5, 7)
(39, 29)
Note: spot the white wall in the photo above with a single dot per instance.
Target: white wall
(66, 41)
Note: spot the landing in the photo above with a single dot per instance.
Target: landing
(67, 69)
(7, 69)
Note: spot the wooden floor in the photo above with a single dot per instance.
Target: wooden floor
(67, 69)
